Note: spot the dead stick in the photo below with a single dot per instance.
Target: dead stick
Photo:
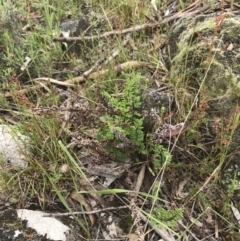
(119, 68)
(135, 28)
(85, 212)
(80, 79)
(107, 34)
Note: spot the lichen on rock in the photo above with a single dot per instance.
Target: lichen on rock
(201, 53)
(205, 54)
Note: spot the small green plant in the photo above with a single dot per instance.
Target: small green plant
(124, 127)
(160, 156)
(166, 218)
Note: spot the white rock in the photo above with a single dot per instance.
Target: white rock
(49, 226)
(17, 233)
(12, 146)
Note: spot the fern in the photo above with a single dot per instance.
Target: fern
(125, 126)
(162, 218)
(160, 156)
(122, 129)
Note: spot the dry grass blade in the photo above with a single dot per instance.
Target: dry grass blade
(80, 198)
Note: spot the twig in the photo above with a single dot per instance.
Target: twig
(54, 81)
(189, 7)
(135, 28)
(85, 212)
(107, 34)
(119, 68)
(140, 178)
(31, 88)
(70, 82)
